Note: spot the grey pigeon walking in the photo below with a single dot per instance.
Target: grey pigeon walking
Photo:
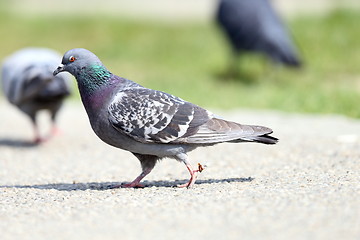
(28, 83)
(151, 124)
(253, 25)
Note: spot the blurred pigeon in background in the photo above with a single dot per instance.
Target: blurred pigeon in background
(29, 84)
(149, 123)
(253, 25)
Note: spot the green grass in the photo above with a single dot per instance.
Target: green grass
(187, 59)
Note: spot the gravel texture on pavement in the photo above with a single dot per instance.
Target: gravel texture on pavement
(305, 187)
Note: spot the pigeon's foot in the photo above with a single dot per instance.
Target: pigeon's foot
(132, 185)
(193, 174)
(38, 140)
(55, 131)
(128, 185)
(41, 140)
(191, 182)
(136, 182)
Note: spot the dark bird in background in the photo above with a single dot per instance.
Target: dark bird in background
(254, 26)
(28, 83)
(149, 123)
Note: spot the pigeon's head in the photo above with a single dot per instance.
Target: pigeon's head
(78, 59)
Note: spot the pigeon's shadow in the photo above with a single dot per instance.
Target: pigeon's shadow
(111, 185)
(17, 143)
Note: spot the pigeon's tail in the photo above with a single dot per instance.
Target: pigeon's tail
(291, 61)
(265, 139)
(218, 130)
(284, 52)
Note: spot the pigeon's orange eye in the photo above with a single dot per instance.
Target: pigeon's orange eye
(72, 59)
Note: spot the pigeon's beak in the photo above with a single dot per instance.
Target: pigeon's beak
(59, 69)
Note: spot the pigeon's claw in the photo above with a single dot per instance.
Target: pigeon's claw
(38, 140)
(133, 184)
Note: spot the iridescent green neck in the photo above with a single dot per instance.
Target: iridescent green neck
(93, 77)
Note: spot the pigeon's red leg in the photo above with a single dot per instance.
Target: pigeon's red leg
(193, 176)
(136, 182)
(37, 138)
(147, 164)
(193, 173)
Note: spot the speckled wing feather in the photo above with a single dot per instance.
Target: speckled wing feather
(151, 116)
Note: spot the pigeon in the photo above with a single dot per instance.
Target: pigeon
(253, 25)
(150, 124)
(28, 83)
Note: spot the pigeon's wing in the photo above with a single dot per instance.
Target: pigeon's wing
(156, 117)
(151, 116)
